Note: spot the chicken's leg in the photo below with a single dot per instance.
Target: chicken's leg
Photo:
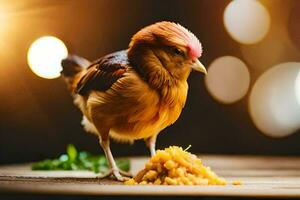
(114, 170)
(150, 142)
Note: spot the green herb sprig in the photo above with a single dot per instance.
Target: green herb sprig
(79, 160)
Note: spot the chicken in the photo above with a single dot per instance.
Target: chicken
(135, 93)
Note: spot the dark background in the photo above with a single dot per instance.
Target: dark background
(38, 118)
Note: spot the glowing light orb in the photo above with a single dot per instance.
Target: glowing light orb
(297, 87)
(45, 55)
(247, 21)
(273, 103)
(228, 79)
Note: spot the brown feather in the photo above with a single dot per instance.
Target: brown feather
(102, 73)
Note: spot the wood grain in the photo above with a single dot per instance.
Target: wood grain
(261, 177)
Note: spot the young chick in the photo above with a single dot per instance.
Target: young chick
(135, 93)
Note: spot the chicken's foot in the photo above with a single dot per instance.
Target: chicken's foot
(114, 170)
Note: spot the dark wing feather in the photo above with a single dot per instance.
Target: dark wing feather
(103, 73)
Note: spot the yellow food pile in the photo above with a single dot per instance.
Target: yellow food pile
(175, 166)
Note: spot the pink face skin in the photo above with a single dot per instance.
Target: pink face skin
(193, 45)
(194, 52)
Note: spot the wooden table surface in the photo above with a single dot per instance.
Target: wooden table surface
(261, 177)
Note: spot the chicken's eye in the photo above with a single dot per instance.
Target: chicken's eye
(178, 51)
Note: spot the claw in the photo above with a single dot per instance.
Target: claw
(118, 176)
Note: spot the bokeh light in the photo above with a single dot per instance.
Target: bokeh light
(277, 46)
(45, 55)
(228, 79)
(297, 87)
(247, 21)
(273, 103)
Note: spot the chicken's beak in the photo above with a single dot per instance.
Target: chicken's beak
(198, 66)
